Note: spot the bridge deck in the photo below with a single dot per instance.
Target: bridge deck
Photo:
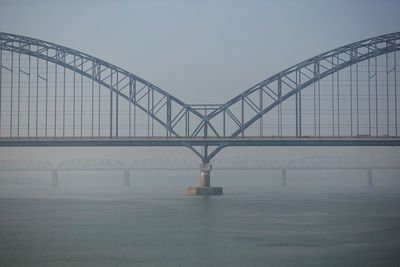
(212, 141)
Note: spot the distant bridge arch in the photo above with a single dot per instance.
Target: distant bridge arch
(325, 162)
(25, 164)
(91, 164)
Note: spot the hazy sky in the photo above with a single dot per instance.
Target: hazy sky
(201, 51)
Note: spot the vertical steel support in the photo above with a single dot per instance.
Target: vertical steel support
(111, 102)
(99, 109)
(242, 124)
(11, 93)
(134, 108)
(205, 153)
(73, 99)
(223, 123)
(319, 101)
(29, 92)
(338, 96)
(188, 123)
(152, 108)
(297, 108)
(92, 98)
(205, 129)
(47, 92)
(1, 84)
(314, 103)
(261, 110)
(395, 92)
(55, 100)
(369, 97)
(130, 106)
(333, 102)
(19, 91)
(300, 110)
(376, 95)
(387, 95)
(148, 114)
(357, 102)
(351, 97)
(116, 107)
(168, 116)
(82, 98)
(280, 106)
(64, 102)
(37, 93)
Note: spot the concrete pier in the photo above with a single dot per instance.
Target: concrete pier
(370, 181)
(127, 178)
(54, 178)
(205, 189)
(284, 178)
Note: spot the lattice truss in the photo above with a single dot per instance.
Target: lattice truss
(47, 90)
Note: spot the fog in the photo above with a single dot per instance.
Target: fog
(281, 206)
(202, 53)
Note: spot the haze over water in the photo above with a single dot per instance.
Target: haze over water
(153, 223)
(201, 52)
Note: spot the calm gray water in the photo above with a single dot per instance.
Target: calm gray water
(161, 226)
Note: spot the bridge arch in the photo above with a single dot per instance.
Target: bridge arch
(271, 92)
(62, 104)
(163, 108)
(360, 100)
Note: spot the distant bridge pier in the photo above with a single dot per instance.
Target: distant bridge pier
(370, 181)
(127, 177)
(284, 178)
(54, 178)
(205, 189)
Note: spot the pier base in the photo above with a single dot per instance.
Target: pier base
(205, 189)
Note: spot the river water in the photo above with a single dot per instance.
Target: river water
(146, 225)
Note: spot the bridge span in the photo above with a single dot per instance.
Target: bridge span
(176, 164)
(52, 95)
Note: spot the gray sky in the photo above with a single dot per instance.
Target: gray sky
(201, 51)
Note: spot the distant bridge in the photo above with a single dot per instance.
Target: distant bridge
(175, 164)
(51, 95)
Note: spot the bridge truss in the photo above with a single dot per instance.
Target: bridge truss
(51, 95)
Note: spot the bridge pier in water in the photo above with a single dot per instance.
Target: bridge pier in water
(284, 178)
(127, 178)
(370, 181)
(54, 178)
(205, 189)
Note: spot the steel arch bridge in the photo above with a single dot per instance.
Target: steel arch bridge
(51, 95)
